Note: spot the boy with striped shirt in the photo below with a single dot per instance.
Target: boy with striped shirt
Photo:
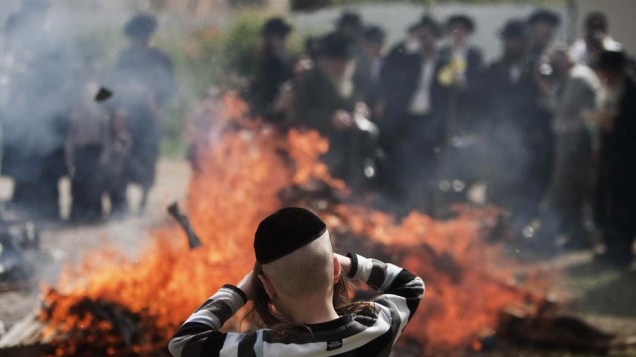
(298, 287)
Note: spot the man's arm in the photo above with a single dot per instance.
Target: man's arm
(401, 290)
(199, 335)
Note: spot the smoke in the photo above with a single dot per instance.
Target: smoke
(38, 82)
(53, 59)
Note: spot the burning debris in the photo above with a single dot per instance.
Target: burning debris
(111, 305)
(550, 328)
(184, 222)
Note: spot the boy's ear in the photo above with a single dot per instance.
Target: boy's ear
(270, 290)
(337, 270)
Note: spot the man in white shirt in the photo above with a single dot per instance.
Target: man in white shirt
(576, 97)
(410, 129)
(595, 38)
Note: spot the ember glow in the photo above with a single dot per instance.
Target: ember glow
(243, 167)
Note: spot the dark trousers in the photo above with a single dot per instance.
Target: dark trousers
(570, 190)
(37, 193)
(618, 226)
(410, 169)
(87, 183)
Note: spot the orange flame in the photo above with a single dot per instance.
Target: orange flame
(243, 166)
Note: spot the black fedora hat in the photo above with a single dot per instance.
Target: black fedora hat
(461, 20)
(335, 45)
(374, 34)
(427, 22)
(141, 25)
(349, 18)
(544, 15)
(276, 26)
(514, 29)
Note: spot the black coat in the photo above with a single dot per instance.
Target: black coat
(315, 102)
(273, 70)
(519, 129)
(144, 81)
(399, 81)
(474, 61)
(617, 180)
(461, 106)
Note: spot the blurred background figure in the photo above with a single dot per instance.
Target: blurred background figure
(617, 170)
(325, 98)
(86, 146)
(143, 83)
(576, 96)
(460, 65)
(350, 25)
(411, 127)
(275, 66)
(596, 38)
(36, 115)
(543, 25)
(520, 130)
(367, 76)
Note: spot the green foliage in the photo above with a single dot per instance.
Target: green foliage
(203, 58)
(208, 58)
(214, 57)
(240, 41)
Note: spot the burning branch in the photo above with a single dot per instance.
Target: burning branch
(184, 222)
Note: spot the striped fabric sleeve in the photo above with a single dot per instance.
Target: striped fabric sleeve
(399, 288)
(199, 335)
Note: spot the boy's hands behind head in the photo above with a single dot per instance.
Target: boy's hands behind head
(345, 263)
(246, 285)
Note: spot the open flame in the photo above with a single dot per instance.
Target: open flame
(243, 167)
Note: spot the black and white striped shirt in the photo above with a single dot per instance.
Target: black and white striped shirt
(371, 334)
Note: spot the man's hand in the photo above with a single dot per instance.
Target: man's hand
(342, 119)
(604, 119)
(345, 263)
(246, 285)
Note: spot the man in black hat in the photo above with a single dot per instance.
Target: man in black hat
(576, 95)
(274, 67)
(543, 25)
(617, 170)
(144, 81)
(410, 128)
(326, 99)
(460, 65)
(516, 129)
(298, 287)
(367, 76)
(350, 24)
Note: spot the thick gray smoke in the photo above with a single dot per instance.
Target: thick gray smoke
(53, 59)
(39, 79)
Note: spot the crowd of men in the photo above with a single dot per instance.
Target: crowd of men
(58, 118)
(549, 128)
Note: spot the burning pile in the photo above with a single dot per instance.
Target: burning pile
(111, 305)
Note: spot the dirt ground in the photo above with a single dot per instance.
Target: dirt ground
(602, 296)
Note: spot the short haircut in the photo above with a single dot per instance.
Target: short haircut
(306, 271)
